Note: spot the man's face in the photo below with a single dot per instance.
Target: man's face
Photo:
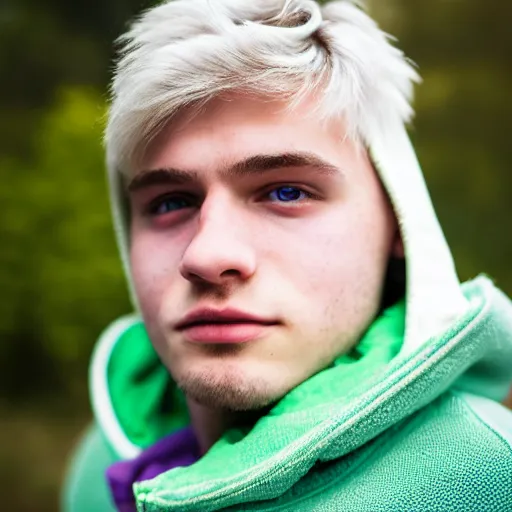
(271, 213)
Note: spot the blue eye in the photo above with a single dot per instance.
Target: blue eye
(169, 204)
(288, 194)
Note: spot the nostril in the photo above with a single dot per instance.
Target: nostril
(230, 272)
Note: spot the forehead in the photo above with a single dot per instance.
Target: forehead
(235, 128)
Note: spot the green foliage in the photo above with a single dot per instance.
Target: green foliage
(461, 129)
(60, 270)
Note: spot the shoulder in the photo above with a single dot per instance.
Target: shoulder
(85, 488)
(455, 453)
(490, 415)
(465, 425)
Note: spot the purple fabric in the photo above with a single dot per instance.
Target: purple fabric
(178, 449)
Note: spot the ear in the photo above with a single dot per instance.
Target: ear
(397, 248)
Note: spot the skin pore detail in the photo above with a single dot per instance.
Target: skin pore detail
(260, 239)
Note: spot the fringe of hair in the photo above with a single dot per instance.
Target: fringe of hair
(183, 53)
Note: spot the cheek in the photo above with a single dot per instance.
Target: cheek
(337, 264)
(338, 247)
(154, 261)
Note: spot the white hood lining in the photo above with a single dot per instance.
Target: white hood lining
(101, 403)
(434, 296)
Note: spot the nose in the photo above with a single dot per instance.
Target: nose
(220, 250)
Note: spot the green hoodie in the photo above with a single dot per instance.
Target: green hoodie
(380, 430)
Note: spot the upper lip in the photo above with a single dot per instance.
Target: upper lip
(220, 316)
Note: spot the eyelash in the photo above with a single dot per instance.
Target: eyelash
(155, 205)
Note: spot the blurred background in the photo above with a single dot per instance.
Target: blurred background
(60, 277)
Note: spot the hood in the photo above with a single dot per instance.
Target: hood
(434, 298)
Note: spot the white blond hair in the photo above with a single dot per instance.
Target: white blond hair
(184, 53)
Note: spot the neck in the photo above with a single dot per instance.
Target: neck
(209, 424)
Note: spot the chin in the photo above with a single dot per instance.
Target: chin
(231, 390)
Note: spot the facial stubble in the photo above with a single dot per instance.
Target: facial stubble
(227, 388)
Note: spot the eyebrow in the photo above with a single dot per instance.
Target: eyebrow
(254, 165)
(149, 178)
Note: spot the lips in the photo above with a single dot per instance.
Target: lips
(223, 326)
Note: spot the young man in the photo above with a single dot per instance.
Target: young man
(266, 198)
